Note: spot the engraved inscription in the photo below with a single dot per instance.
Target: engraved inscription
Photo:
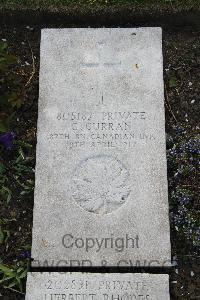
(100, 184)
(98, 290)
(100, 62)
(118, 129)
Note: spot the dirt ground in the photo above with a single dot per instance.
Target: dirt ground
(181, 48)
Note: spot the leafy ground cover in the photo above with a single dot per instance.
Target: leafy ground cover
(19, 65)
(57, 3)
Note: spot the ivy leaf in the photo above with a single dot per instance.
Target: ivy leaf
(3, 126)
(4, 121)
(6, 193)
(4, 236)
(12, 284)
(2, 168)
(1, 236)
(6, 271)
(14, 100)
(11, 59)
(6, 61)
(173, 82)
(23, 274)
(3, 65)
(3, 46)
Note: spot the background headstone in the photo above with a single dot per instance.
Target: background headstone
(79, 286)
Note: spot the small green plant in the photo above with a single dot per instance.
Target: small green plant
(5, 192)
(18, 174)
(13, 276)
(11, 93)
(173, 81)
(4, 236)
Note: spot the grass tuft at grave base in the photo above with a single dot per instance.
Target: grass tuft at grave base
(19, 48)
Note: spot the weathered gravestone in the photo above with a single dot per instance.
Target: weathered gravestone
(101, 183)
(84, 286)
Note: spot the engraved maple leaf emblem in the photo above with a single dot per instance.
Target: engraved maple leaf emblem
(99, 184)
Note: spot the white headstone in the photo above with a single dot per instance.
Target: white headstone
(101, 181)
(79, 286)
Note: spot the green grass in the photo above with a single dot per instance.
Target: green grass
(57, 3)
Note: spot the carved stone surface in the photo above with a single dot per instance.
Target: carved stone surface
(78, 286)
(101, 181)
(100, 184)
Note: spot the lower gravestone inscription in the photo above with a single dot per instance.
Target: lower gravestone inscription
(78, 286)
(101, 181)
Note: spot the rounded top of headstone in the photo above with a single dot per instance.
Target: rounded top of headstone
(100, 184)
